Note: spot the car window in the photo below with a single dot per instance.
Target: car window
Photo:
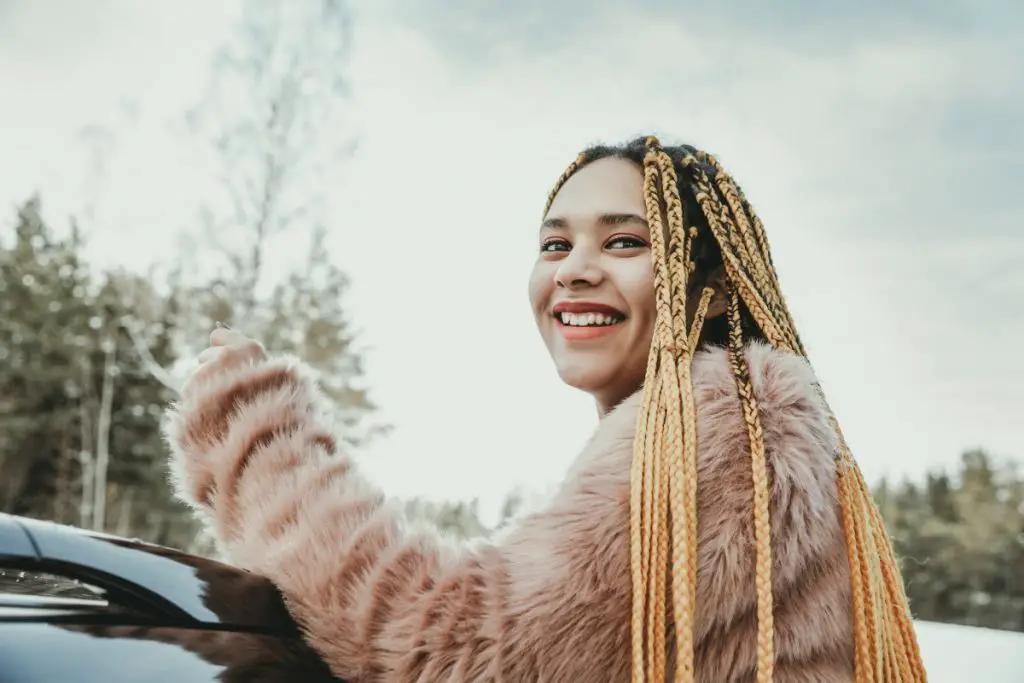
(43, 584)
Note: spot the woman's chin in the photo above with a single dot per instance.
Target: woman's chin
(608, 382)
(579, 376)
(590, 380)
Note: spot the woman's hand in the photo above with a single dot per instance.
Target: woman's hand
(228, 351)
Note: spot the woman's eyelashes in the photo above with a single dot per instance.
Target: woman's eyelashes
(618, 242)
(554, 245)
(626, 242)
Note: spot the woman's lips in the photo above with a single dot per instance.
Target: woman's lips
(585, 332)
(586, 307)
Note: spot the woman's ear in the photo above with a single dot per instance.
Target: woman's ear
(719, 300)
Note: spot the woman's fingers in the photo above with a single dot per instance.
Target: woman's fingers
(247, 351)
(224, 336)
(237, 344)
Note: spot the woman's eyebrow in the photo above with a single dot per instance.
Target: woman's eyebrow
(621, 218)
(606, 219)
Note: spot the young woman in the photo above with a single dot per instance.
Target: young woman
(714, 528)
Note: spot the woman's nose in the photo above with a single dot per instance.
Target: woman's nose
(579, 269)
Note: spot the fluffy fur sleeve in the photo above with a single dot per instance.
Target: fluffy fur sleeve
(550, 601)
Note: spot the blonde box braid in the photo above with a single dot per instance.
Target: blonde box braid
(663, 497)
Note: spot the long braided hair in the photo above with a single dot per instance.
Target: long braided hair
(690, 198)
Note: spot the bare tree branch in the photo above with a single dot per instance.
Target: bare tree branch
(270, 116)
(154, 368)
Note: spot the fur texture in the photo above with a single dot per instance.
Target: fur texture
(549, 601)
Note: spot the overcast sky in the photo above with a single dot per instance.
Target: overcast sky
(882, 147)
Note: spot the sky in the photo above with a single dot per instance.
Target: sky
(882, 146)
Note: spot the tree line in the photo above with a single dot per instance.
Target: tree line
(87, 366)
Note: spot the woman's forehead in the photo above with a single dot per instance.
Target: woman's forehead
(603, 187)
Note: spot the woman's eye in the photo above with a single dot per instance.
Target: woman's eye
(626, 242)
(555, 245)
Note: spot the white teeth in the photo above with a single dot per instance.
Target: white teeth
(588, 319)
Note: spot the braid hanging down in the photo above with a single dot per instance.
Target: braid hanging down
(663, 500)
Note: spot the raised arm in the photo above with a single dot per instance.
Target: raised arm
(383, 600)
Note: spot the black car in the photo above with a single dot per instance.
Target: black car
(83, 607)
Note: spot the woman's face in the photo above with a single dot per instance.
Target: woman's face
(592, 287)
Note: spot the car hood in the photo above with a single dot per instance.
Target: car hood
(170, 585)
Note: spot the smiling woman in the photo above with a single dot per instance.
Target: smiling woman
(595, 260)
(714, 529)
(713, 284)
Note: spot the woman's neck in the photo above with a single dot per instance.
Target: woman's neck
(607, 403)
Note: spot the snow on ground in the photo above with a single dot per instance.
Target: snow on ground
(962, 654)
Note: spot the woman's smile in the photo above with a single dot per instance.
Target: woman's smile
(585, 320)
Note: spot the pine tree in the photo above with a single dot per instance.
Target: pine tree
(80, 408)
(47, 325)
(139, 325)
(305, 315)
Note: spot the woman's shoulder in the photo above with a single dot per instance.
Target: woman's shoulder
(585, 534)
(779, 378)
(795, 421)
(794, 416)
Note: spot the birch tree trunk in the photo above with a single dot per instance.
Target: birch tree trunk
(99, 506)
(86, 455)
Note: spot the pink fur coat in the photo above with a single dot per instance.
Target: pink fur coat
(384, 600)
